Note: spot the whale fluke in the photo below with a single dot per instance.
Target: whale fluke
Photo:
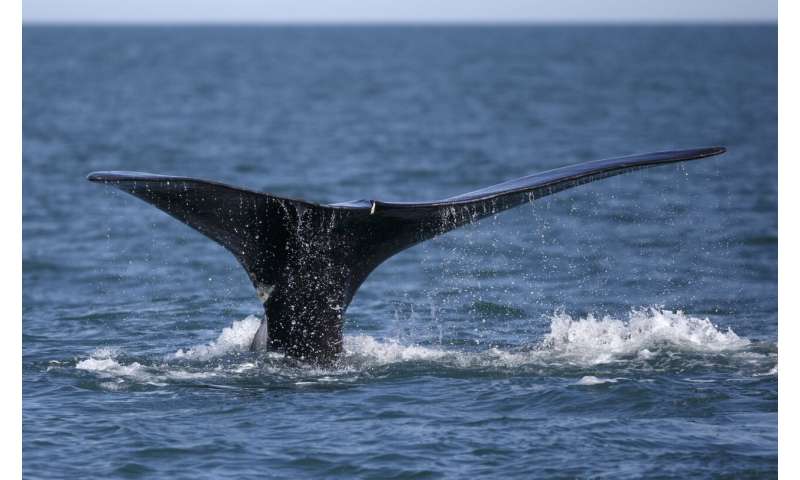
(306, 260)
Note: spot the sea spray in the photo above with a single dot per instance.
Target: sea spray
(571, 343)
(236, 338)
(591, 340)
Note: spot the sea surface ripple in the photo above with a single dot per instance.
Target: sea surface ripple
(623, 329)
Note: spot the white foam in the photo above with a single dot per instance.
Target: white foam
(389, 351)
(645, 354)
(103, 364)
(236, 338)
(591, 340)
(582, 342)
(772, 372)
(592, 380)
(113, 386)
(577, 341)
(112, 367)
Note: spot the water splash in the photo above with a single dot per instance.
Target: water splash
(236, 338)
(572, 346)
(591, 340)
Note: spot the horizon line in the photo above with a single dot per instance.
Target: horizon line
(403, 23)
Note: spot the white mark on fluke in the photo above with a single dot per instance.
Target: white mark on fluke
(264, 291)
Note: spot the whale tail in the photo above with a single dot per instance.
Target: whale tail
(306, 260)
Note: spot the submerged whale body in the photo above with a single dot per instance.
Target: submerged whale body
(306, 260)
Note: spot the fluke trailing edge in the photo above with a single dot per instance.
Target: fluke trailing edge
(307, 260)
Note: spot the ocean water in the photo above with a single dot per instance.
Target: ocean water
(622, 329)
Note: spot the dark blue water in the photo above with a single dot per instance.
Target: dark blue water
(621, 329)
